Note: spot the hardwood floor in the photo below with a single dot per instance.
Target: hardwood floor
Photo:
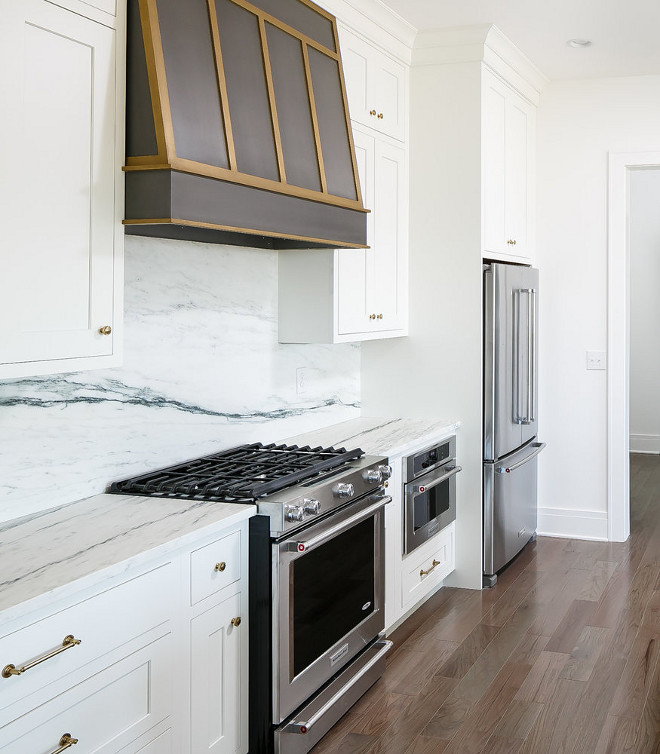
(562, 655)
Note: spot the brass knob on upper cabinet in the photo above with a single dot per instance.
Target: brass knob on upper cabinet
(372, 316)
(372, 112)
(379, 316)
(513, 243)
(380, 116)
(220, 566)
(105, 330)
(236, 621)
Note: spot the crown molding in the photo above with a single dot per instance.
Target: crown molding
(483, 43)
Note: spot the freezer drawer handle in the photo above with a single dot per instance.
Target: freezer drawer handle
(538, 447)
(303, 726)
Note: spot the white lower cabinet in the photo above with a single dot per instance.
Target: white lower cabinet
(218, 689)
(157, 662)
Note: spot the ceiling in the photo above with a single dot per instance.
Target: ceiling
(624, 33)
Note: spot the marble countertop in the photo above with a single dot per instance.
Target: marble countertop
(42, 554)
(379, 436)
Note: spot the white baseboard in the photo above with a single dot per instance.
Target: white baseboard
(644, 443)
(572, 524)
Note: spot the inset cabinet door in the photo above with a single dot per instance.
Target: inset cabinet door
(508, 138)
(57, 196)
(218, 640)
(375, 86)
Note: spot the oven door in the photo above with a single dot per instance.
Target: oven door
(328, 590)
(430, 505)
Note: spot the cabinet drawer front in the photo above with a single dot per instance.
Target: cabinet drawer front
(214, 567)
(424, 571)
(102, 623)
(106, 712)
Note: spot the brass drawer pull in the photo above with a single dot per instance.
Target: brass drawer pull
(9, 670)
(435, 564)
(236, 621)
(513, 243)
(66, 742)
(106, 330)
(372, 112)
(380, 116)
(220, 566)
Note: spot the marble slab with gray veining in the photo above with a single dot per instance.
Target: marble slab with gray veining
(379, 436)
(44, 553)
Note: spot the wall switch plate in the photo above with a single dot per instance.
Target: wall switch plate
(596, 360)
(301, 380)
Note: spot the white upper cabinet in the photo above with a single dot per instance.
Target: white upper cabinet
(60, 197)
(508, 130)
(375, 86)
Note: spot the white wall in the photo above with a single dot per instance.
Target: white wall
(644, 247)
(436, 372)
(202, 371)
(579, 123)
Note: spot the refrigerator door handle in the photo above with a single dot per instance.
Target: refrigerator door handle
(538, 447)
(517, 418)
(532, 356)
(528, 417)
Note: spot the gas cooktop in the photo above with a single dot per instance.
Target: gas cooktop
(241, 474)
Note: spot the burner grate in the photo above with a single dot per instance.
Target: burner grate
(240, 474)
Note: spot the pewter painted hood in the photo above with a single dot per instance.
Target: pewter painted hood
(237, 125)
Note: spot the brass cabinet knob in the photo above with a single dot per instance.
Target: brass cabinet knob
(513, 243)
(380, 116)
(372, 112)
(379, 316)
(105, 330)
(236, 621)
(372, 316)
(220, 566)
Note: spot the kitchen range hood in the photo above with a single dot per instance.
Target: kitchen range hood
(237, 125)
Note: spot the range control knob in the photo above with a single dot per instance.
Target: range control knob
(343, 489)
(385, 471)
(294, 513)
(373, 476)
(312, 507)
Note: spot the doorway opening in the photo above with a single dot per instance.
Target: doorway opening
(621, 166)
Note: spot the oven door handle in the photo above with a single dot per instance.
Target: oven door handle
(452, 471)
(340, 527)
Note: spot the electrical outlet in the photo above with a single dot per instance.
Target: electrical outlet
(301, 380)
(596, 360)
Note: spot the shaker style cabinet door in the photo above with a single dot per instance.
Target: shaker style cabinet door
(371, 284)
(508, 139)
(218, 682)
(375, 86)
(57, 196)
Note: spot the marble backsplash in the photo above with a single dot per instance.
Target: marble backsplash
(202, 371)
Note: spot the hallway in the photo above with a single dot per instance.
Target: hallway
(561, 656)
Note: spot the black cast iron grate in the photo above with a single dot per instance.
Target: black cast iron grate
(240, 474)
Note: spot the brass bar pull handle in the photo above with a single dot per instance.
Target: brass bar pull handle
(435, 564)
(66, 742)
(220, 566)
(9, 670)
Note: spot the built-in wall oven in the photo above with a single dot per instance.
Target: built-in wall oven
(429, 492)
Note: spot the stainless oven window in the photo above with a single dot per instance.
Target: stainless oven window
(333, 589)
(430, 504)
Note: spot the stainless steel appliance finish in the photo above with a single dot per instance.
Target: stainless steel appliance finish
(429, 492)
(510, 412)
(316, 718)
(328, 589)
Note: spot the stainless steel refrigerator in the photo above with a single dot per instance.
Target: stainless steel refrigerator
(511, 445)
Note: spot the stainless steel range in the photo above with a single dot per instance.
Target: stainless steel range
(316, 577)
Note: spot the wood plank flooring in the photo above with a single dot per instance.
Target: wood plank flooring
(562, 655)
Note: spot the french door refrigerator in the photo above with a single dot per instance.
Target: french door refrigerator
(510, 413)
